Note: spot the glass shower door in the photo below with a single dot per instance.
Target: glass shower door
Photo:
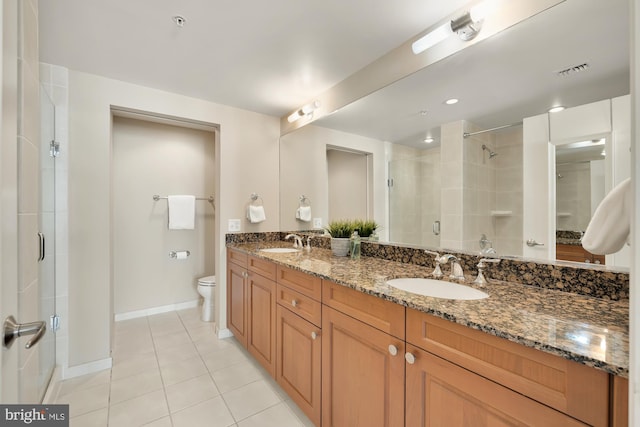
(47, 264)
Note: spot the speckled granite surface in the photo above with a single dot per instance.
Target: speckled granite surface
(592, 280)
(591, 331)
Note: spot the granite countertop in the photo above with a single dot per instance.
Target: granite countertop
(568, 241)
(588, 330)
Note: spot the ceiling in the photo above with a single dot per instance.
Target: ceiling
(505, 78)
(264, 56)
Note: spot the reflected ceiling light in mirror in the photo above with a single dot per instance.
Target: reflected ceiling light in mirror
(451, 101)
(556, 109)
(305, 110)
(428, 140)
(467, 26)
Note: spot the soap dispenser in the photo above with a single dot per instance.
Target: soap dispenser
(355, 245)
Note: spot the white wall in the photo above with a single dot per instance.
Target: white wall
(303, 167)
(348, 175)
(247, 161)
(152, 158)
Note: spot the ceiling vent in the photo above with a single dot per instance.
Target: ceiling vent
(572, 70)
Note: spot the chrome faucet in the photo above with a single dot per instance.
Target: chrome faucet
(297, 240)
(308, 247)
(456, 269)
(481, 280)
(437, 272)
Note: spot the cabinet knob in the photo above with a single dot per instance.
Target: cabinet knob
(245, 274)
(294, 303)
(314, 335)
(410, 358)
(393, 350)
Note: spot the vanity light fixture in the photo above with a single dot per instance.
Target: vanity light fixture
(467, 26)
(556, 109)
(451, 101)
(306, 110)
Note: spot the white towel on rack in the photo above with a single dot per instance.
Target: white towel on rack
(182, 212)
(256, 214)
(610, 226)
(303, 213)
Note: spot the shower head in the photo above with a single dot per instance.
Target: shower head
(492, 154)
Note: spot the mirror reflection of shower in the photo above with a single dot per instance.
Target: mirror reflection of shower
(492, 154)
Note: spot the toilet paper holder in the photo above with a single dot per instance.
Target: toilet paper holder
(179, 254)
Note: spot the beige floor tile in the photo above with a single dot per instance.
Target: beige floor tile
(180, 371)
(250, 399)
(162, 422)
(139, 411)
(223, 358)
(135, 385)
(140, 323)
(276, 416)
(172, 340)
(97, 418)
(206, 345)
(190, 392)
(236, 376)
(201, 331)
(126, 367)
(86, 400)
(83, 382)
(210, 413)
(177, 353)
(134, 350)
(298, 412)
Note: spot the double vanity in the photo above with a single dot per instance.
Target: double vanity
(360, 342)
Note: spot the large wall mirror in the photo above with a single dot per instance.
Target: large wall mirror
(453, 176)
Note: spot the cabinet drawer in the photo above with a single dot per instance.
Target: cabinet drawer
(300, 304)
(237, 257)
(306, 284)
(567, 386)
(262, 267)
(377, 312)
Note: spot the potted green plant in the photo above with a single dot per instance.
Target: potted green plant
(365, 227)
(340, 231)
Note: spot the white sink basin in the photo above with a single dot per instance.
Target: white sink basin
(437, 288)
(279, 250)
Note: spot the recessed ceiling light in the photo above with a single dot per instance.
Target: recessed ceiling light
(179, 20)
(556, 109)
(423, 112)
(428, 140)
(451, 101)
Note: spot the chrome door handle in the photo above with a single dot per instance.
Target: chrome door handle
(42, 247)
(531, 243)
(13, 330)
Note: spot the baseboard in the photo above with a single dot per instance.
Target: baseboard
(86, 368)
(223, 333)
(156, 310)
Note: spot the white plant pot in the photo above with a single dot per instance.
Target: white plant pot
(340, 246)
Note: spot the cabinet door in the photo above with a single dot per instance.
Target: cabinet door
(236, 308)
(298, 356)
(440, 393)
(362, 379)
(261, 341)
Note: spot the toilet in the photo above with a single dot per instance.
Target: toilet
(206, 289)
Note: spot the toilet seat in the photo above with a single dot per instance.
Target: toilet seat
(207, 281)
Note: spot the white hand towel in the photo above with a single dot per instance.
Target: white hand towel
(303, 213)
(182, 212)
(610, 226)
(256, 214)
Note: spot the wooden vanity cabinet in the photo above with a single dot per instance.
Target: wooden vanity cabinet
(251, 306)
(571, 388)
(237, 276)
(440, 393)
(362, 365)
(578, 254)
(299, 340)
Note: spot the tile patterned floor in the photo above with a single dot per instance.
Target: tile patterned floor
(171, 370)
